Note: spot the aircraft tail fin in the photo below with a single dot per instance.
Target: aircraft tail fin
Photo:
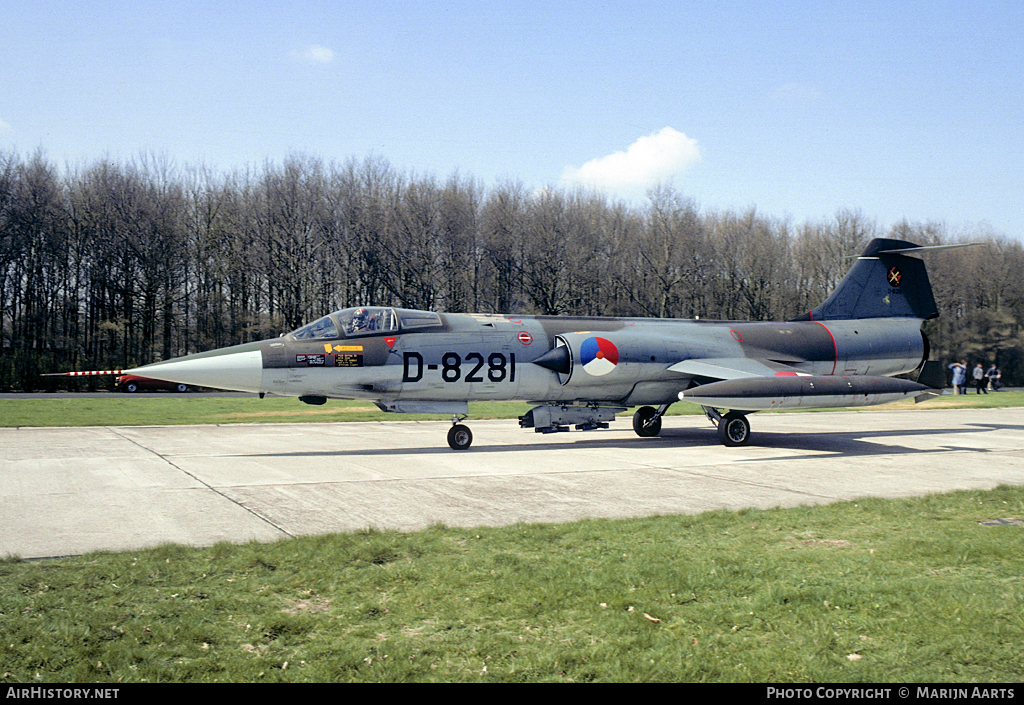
(883, 283)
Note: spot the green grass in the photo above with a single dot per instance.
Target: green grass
(173, 409)
(870, 591)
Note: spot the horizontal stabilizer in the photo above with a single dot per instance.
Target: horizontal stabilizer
(925, 248)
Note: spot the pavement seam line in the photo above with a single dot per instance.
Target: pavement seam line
(202, 482)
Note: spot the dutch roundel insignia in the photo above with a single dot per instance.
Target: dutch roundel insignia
(598, 356)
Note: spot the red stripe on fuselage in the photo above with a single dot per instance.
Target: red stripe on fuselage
(835, 348)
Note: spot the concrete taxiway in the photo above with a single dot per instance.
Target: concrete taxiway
(67, 491)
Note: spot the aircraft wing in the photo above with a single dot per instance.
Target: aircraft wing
(732, 368)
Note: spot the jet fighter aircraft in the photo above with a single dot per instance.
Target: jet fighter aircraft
(581, 372)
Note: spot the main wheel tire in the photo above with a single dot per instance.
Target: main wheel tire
(460, 437)
(646, 422)
(734, 429)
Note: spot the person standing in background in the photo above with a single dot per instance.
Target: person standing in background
(959, 376)
(993, 376)
(979, 379)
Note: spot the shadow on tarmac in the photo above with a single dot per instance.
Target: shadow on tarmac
(854, 443)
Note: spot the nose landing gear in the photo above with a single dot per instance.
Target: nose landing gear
(647, 421)
(459, 436)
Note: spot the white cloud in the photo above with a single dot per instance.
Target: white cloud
(646, 162)
(5, 126)
(314, 54)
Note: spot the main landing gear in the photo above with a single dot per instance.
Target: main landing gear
(733, 428)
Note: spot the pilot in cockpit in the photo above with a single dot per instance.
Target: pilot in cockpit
(358, 319)
(363, 321)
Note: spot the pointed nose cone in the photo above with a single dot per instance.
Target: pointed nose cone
(238, 368)
(556, 359)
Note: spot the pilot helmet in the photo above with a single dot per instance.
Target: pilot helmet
(359, 318)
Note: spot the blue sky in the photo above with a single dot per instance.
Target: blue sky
(899, 109)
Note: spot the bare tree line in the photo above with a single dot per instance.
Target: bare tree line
(114, 265)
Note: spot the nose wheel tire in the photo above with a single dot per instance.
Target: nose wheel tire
(460, 437)
(734, 429)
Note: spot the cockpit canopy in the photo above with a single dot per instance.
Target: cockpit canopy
(367, 320)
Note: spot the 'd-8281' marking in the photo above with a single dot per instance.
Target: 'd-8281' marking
(496, 367)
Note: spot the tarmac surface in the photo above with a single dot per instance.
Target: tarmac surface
(67, 491)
